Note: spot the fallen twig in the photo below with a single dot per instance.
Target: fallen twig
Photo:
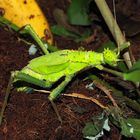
(106, 91)
(78, 95)
(81, 96)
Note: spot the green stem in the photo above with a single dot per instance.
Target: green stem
(114, 72)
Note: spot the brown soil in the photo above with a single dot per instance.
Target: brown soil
(30, 116)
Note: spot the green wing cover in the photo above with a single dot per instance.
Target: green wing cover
(51, 63)
(55, 58)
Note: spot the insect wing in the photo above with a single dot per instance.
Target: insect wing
(45, 70)
(55, 58)
(51, 63)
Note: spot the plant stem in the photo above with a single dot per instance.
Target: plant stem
(110, 21)
(114, 72)
(114, 28)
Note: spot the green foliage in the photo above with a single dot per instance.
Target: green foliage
(130, 128)
(111, 45)
(61, 31)
(135, 127)
(90, 129)
(133, 76)
(136, 66)
(134, 73)
(94, 130)
(122, 66)
(83, 36)
(78, 12)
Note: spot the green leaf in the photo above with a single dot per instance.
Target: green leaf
(90, 129)
(78, 12)
(136, 66)
(135, 127)
(83, 36)
(133, 76)
(122, 66)
(125, 128)
(61, 31)
(134, 73)
(131, 128)
(94, 130)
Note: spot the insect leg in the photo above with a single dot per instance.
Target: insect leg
(4, 22)
(56, 92)
(25, 29)
(28, 29)
(32, 80)
(9, 87)
(59, 88)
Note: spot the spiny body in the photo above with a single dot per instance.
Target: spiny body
(50, 68)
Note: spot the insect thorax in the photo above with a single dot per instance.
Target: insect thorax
(89, 57)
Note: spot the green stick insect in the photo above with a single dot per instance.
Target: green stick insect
(46, 70)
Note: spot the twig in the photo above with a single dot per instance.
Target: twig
(114, 72)
(106, 91)
(114, 28)
(78, 95)
(81, 96)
